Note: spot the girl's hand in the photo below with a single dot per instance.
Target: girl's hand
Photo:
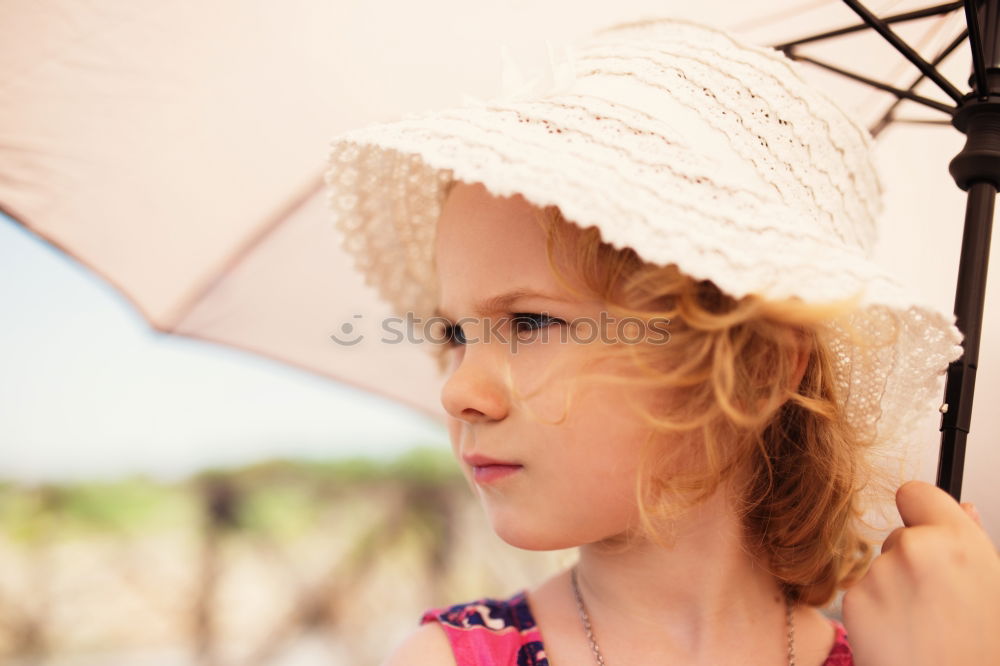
(933, 596)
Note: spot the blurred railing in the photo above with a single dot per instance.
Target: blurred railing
(245, 566)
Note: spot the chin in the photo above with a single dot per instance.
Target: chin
(525, 541)
(524, 533)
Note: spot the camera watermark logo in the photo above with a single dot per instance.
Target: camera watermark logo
(348, 334)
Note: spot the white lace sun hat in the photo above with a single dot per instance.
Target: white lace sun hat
(681, 142)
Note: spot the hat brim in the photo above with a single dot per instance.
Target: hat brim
(387, 185)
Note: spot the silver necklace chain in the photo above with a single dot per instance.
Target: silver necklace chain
(599, 658)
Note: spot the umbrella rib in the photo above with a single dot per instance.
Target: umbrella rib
(877, 128)
(976, 43)
(185, 306)
(920, 121)
(905, 49)
(898, 92)
(897, 18)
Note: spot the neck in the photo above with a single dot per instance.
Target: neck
(699, 595)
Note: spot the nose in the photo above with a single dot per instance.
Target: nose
(476, 390)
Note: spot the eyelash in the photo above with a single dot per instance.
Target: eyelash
(541, 321)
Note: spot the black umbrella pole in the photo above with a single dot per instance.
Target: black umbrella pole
(970, 294)
(977, 171)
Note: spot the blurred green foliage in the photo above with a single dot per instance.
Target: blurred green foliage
(31, 513)
(281, 497)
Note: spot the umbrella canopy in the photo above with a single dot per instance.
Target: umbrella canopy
(177, 149)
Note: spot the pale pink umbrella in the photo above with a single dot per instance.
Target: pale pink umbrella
(177, 150)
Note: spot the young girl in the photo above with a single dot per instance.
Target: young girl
(667, 345)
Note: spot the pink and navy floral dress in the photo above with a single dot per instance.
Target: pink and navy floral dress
(502, 632)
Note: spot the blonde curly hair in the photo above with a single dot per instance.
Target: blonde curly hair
(727, 410)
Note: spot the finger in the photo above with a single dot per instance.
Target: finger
(973, 513)
(892, 539)
(920, 503)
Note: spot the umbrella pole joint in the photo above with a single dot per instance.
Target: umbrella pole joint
(978, 112)
(979, 119)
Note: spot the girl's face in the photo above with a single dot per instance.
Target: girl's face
(566, 483)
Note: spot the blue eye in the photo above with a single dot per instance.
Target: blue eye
(529, 321)
(521, 322)
(454, 336)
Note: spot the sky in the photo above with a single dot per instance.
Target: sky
(89, 390)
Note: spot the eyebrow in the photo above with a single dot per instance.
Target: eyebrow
(502, 302)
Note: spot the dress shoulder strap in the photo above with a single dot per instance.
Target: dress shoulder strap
(840, 653)
(491, 631)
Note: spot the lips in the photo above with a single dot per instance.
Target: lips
(477, 460)
(487, 470)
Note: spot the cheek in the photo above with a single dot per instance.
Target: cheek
(607, 464)
(578, 487)
(609, 438)
(596, 469)
(545, 382)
